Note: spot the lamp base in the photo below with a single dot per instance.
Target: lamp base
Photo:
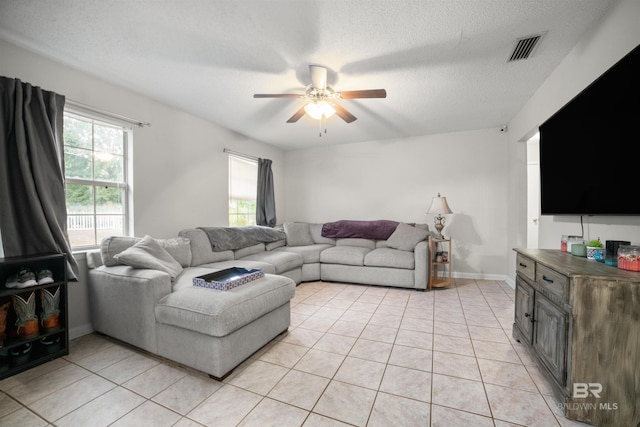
(439, 224)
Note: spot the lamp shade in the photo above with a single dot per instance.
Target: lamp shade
(439, 205)
(319, 109)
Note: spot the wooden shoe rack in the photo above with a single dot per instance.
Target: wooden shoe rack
(19, 353)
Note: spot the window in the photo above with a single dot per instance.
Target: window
(96, 171)
(243, 190)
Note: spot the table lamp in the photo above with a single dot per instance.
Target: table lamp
(439, 206)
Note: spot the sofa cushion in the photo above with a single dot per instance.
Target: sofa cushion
(178, 247)
(148, 253)
(232, 238)
(249, 250)
(348, 255)
(298, 234)
(219, 313)
(406, 237)
(363, 243)
(112, 246)
(282, 261)
(185, 279)
(201, 251)
(310, 254)
(273, 245)
(388, 257)
(94, 259)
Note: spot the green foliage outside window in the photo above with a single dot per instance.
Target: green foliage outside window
(241, 213)
(93, 151)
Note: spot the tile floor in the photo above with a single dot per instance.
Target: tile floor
(354, 355)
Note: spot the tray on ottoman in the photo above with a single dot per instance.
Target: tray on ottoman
(227, 279)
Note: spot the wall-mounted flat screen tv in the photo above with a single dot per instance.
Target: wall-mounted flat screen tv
(589, 162)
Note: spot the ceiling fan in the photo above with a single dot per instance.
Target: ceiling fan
(322, 98)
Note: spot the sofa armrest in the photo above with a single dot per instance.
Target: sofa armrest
(421, 264)
(122, 301)
(94, 259)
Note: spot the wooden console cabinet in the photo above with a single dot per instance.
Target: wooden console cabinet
(581, 320)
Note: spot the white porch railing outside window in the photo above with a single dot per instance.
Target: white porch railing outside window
(89, 222)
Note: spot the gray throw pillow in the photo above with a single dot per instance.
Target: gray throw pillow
(406, 237)
(179, 248)
(298, 234)
(148, 253)
(112, 246)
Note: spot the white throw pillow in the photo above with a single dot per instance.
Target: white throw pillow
(406, 237)
(148, 253)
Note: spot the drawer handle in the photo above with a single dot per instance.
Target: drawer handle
(523, 265)
(546, 279)
(529, 315)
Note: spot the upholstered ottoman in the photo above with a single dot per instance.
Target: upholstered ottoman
(214, 331)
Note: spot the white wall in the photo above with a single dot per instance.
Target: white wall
(396, 179)
(180, 170)
(606, 43)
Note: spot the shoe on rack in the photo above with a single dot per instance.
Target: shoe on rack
(50, 317)
(20, 354)
(26, 325)
(22, 279)
(4, 309)
(44, 276)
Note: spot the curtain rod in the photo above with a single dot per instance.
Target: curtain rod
(78, 105)
(246, 156)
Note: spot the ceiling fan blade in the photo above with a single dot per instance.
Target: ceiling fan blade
(318, 76)
(344, 114)
(296, 116)
(276, 95)
(372, 93)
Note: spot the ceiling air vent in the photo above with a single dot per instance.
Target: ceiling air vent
(524, 47)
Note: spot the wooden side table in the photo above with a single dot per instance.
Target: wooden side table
(440, 263)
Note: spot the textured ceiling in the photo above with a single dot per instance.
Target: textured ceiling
(443, 63)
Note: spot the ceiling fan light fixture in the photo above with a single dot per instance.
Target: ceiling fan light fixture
(320, 98)
(318, 109)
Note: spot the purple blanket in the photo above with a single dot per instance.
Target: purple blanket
(377, 230)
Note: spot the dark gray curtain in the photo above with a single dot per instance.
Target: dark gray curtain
(33, 212)
(266, 202)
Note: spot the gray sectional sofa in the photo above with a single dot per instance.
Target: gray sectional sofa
(399, 261)
(304, 254)
(141, 289)
(149, 301)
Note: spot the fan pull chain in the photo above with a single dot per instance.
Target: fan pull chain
(321, 124)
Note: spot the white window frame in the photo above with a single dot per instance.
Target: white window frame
(126, 184)
(247, 160)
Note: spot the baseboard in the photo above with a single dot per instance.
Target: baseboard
(509, 281)
(475, 276)
(81, 330)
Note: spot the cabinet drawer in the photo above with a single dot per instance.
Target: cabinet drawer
(526, 267)
(553, 282)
